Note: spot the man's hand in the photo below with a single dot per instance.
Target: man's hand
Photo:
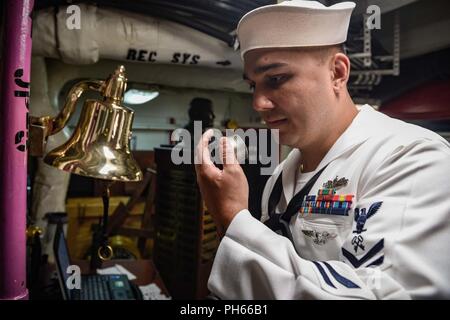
(225, 192)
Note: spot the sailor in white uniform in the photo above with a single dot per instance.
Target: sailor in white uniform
(360, 209)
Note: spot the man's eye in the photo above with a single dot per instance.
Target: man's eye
(275, 81)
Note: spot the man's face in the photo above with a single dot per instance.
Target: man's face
(292, 92)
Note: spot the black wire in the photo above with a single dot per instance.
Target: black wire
(165, 14)
(196, 11)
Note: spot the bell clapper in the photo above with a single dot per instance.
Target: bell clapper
(100, 249)
(105, 252)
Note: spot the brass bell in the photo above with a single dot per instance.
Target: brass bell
(100, 144)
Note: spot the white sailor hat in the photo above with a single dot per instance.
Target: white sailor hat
(295, 23)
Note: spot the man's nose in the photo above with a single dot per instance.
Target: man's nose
(261, 102)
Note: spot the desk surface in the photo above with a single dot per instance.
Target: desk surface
(144, 270)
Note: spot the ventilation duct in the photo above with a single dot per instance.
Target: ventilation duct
(124, 36)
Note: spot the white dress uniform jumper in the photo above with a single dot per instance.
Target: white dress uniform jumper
(374, 223)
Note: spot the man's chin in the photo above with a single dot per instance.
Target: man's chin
(284, 139)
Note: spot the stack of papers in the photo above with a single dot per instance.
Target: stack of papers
(153, 292)
(117, 269)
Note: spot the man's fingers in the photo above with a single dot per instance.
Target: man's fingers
(202, 151)
(227, 152)
(203, 164)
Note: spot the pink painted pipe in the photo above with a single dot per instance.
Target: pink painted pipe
(13, 148)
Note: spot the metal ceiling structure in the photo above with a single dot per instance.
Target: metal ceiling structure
(376, 55)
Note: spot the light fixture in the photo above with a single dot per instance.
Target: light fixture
(140, 96)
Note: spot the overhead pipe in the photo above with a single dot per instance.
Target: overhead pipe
(137, 38)
(227, 13)
(13, 154)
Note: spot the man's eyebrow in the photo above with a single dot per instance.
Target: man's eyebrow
(264, 68)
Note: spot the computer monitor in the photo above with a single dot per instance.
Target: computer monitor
(95, 287)
(62, 260)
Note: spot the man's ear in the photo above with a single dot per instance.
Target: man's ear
(340, 68)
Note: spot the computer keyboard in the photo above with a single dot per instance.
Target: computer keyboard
(95, 288)
(104, 287)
